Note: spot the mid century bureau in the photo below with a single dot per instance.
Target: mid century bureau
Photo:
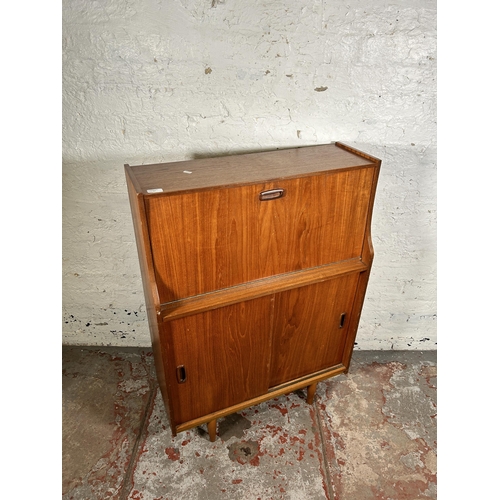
(254, 270)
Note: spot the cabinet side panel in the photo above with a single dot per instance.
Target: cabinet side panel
(367, 258)
(148, 281)
(357, 308)
(368, 252)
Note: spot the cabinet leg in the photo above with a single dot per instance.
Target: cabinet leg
(212, 429)
(311, 391)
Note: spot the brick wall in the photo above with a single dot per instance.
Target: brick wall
(147, 81)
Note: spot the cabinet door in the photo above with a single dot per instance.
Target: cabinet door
(310, 328)
(208, 240)
(218, 358)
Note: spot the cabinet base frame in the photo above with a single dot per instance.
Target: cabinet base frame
(310, 382)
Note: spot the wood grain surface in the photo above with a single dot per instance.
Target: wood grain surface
(307, 336)
(225, 354)
(211, 240)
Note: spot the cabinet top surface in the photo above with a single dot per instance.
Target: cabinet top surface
(243, 169)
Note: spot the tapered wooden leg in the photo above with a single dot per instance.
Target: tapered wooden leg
(212, 429)
(311, 391)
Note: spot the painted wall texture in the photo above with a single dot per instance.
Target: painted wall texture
(147, 81)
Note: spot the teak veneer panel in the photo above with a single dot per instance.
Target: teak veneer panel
(310, 333)
(225, 354)
(250, 298)
(230, 237)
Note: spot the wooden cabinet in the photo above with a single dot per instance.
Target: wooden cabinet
(254, 270)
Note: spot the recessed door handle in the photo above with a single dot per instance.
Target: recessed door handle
(271, 194)
(181, 374)
(342, 320)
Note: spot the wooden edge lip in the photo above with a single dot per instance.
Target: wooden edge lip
(306, 380)
(357, 152)
(273, 392)
(258, 288)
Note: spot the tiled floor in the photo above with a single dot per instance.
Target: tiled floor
(370, 434)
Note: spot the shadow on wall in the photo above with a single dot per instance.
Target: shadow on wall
(202, 156)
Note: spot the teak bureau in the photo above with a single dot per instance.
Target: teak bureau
(254, 269)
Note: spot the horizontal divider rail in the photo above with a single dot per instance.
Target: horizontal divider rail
(258, 288)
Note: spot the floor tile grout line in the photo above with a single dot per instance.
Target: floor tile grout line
(148, 410)
(328, 478)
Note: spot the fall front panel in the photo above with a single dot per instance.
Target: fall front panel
(213, 239)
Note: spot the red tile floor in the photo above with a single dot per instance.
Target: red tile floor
(370, 434)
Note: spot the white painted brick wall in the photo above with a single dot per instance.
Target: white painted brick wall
(147, 81)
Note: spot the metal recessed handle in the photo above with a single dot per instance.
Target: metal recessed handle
(271, 194)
